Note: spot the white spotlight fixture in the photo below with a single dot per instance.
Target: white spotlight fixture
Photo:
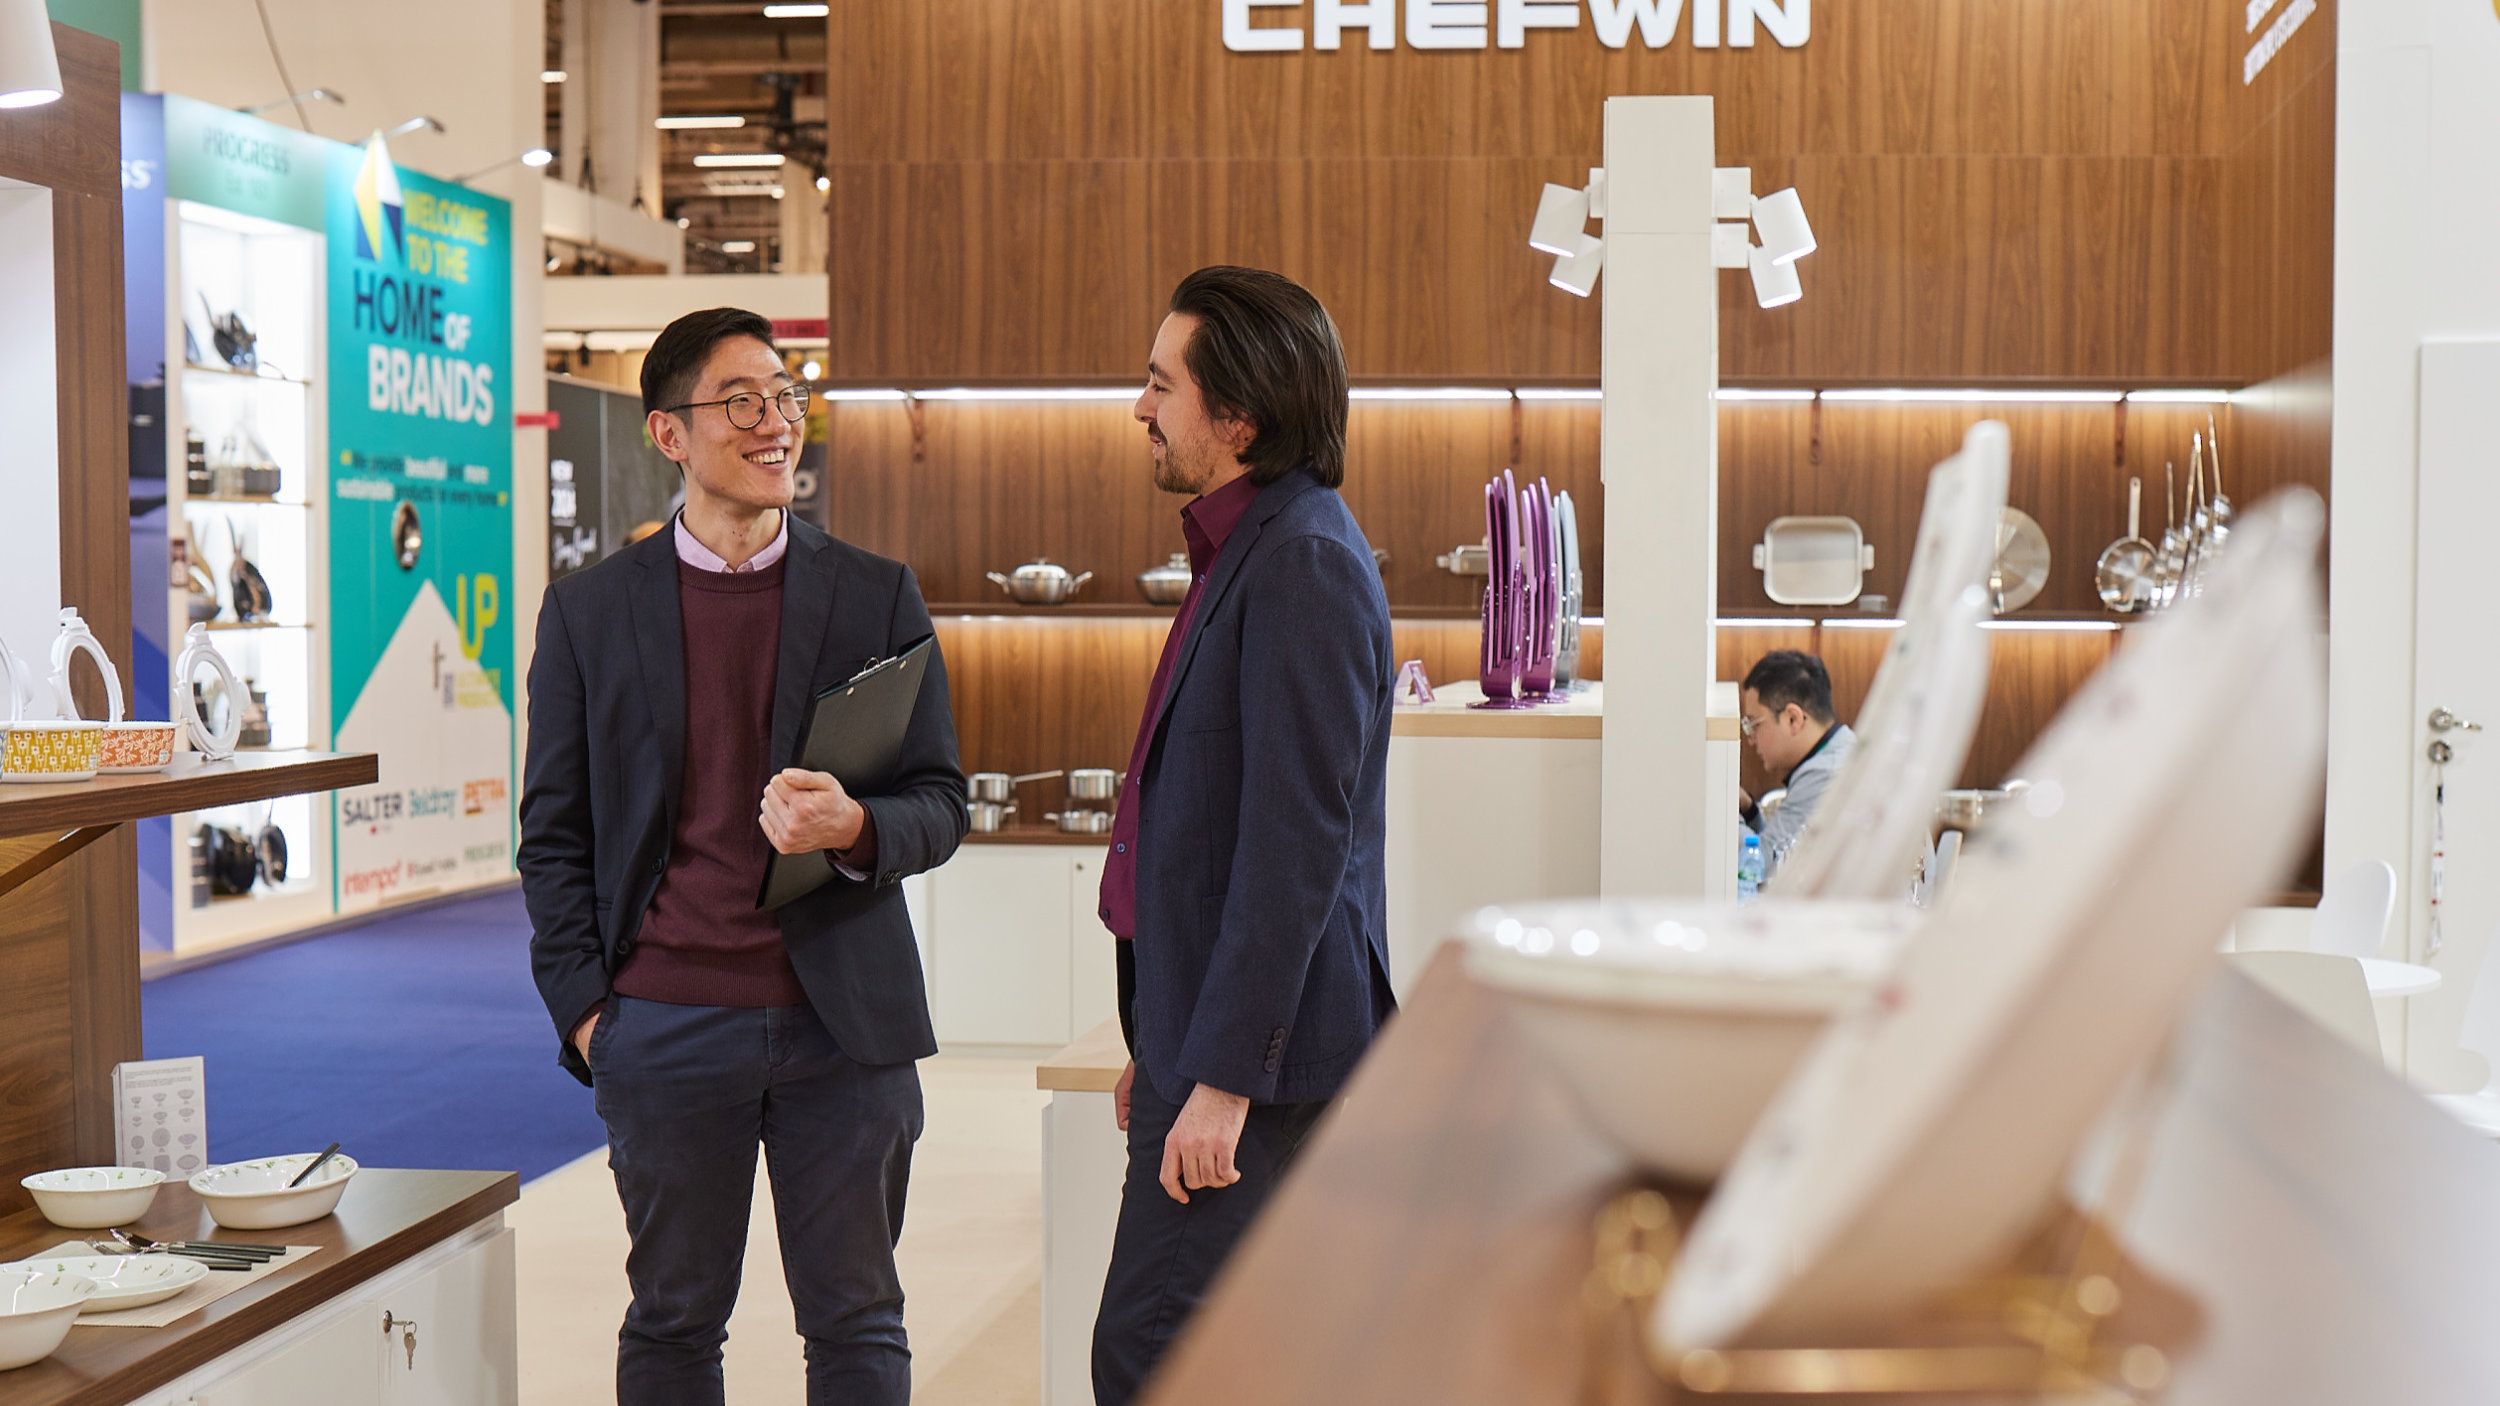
(738, 160)
(309, 95)
(30, 72)
(737, 246)
(795, 12)
(824, 183)
(1561, 229)
(1779, 218)
(810, 370)
(706, 123)
(1774, 283)
(551, 75)
(535, 158)
(413, 124)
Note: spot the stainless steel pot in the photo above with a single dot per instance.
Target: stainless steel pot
(1095, 783)
(998, 788)
(1081, 822)
(1968, 810)
(989, 817)
(1040, 582)
(1166, 584)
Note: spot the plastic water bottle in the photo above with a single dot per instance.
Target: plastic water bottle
(1749, 869)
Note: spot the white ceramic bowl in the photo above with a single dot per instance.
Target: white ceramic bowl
(255, 1195)
(91, 1198)
(1676, 1021)
(121, 1281)
(36, 1311)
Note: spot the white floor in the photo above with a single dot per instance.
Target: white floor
(971, 1261)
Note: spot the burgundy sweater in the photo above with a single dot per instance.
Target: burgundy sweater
(703, 941)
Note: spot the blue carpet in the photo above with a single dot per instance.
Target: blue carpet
(414, 1041)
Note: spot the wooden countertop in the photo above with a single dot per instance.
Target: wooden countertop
(2333, 1230)
(191, 783)
(1452, 714)
(1089, 1065)
(386, 1219)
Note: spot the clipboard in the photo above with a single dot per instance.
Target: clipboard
(853, 730)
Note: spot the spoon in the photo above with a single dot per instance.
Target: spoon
(326, 1154)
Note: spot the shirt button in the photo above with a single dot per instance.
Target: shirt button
(659, 866)
(1202, 580)
(1119, 849)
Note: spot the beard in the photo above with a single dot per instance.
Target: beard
(1172, 472)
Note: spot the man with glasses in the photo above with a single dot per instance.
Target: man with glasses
(664, 708)
(1787, 716)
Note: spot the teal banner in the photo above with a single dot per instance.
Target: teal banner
(420, 331)
(243, 164)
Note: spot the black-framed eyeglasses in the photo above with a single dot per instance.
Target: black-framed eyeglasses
(746, 408)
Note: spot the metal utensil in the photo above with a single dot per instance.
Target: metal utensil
(2166, 568)
(2222, 501)
(1040, 582)
(1081, 822)
(989, 817)
(314, 1165)
(2022, 562)
(2124, 575)
(999, 788)
(1095, 783)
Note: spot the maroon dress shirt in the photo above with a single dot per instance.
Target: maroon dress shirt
(1207, 523)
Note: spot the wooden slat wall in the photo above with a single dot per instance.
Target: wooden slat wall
(2003, 191)
(72, 936)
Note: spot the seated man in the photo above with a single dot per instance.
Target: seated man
(1787, 715)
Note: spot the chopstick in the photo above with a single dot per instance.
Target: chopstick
(326, 1154)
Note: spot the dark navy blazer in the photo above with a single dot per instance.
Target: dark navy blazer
(607, 759)
(1262, 906)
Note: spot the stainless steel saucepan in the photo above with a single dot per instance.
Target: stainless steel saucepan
(1081, 822)
(990, 817)
(1095, 783)
(999, 788)
(1040, 582)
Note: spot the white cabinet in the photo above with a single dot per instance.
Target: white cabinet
(455, 1304)
(1013, 950)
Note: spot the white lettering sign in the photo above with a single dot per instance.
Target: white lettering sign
(1483, 24)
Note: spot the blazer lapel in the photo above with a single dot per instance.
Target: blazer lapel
(660, 635)
(806, 606)
(1227, 569)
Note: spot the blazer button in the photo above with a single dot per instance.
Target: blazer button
(1271, 1064)
(659, 866)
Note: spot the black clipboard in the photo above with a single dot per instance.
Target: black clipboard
(853, 730)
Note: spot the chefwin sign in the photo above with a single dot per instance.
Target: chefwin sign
(1504, 24)
(420, 317)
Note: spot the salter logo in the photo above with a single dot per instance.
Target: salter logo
(1504, 24)
(378, 205)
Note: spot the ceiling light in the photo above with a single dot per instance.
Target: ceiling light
(536, 157)
(413, 124)
(309, 95)
(1049, 393)
(684, 223)
(824, 183)
(794, 12)
(1776, 622)
(1913, 396)
(1558, 393)
(863, 395)
(551, 75)
(1774, 283)
(810, 370)
(2181, 397)
(30, 72)
(714, 160)
(2100, 625)
(737, 246)
(1428, 393)
(1740, 393)
(1780, 218)
(698, 124)
(1867, 622)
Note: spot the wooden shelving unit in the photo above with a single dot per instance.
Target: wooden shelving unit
(191, 783)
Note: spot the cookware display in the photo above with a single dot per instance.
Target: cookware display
(1167, 584)
(1081, 822)
(1095, 783)
(2022, 564)
(247, 590)
(233, 863)
(198, 479)
(1523, 597)
(999, 788)
(1813, 560)
(238, 346)
(127, 747)
(199, 602)
(217, 742)
(1040, 581)
(989, 817)
(2124, 575)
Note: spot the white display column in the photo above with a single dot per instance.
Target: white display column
(1663, 829)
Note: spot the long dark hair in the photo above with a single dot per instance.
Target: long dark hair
(1265, 351)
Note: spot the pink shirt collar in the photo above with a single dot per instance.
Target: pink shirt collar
(703, 558)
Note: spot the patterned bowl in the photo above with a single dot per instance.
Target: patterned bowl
(36, 1311)
(255, 1195)
(137, 747)
(50, 749)
(91, 1198)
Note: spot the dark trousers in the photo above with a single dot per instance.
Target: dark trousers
(1164, 1254)
(688, 1092)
